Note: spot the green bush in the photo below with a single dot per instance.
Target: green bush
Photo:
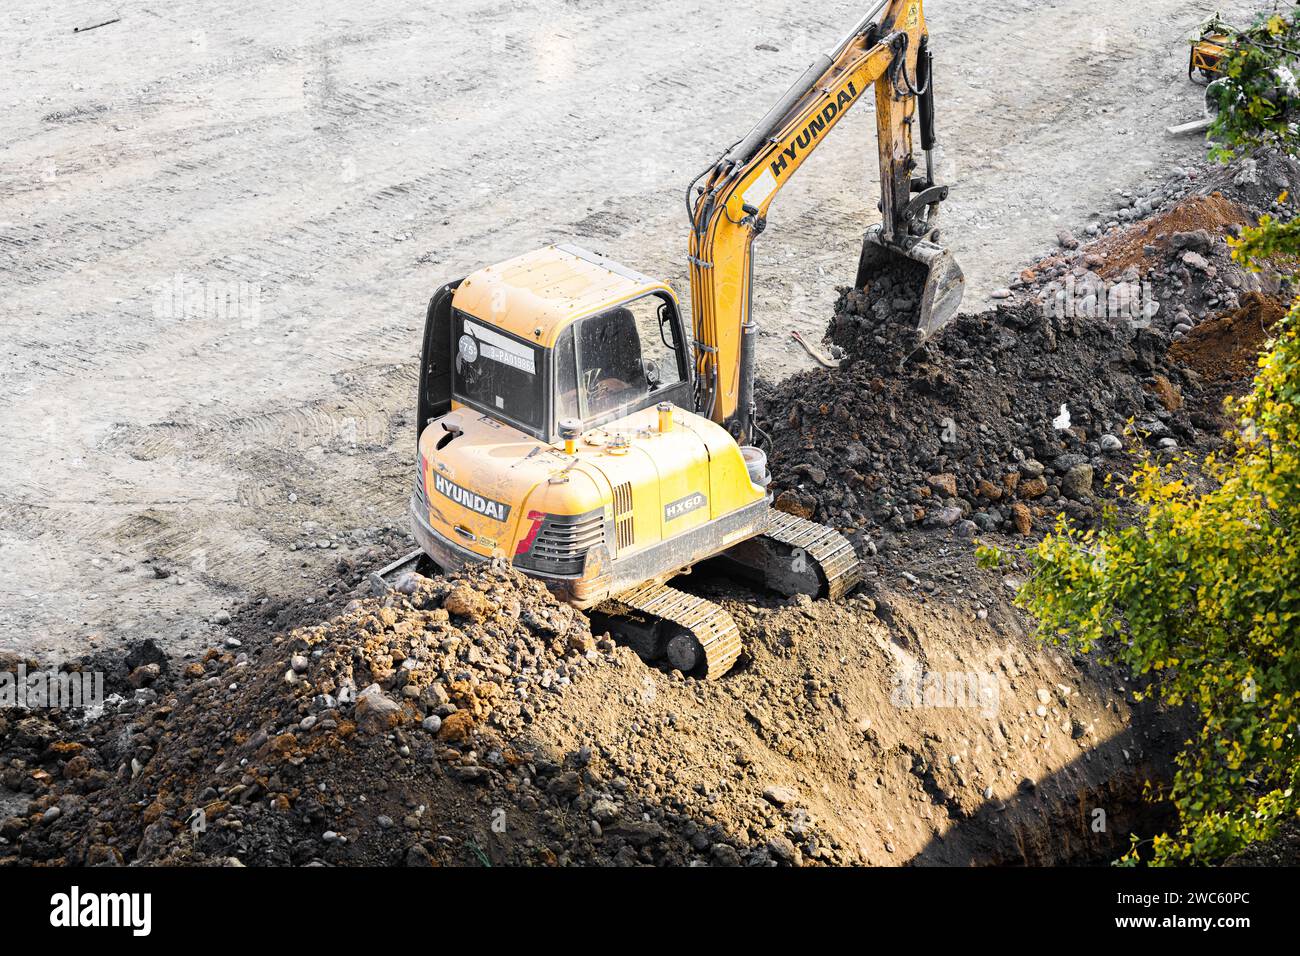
(1202, 592)
(1260, 87)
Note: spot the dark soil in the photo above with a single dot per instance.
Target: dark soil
(968, 431)
(970, 424)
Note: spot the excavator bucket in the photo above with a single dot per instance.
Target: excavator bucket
(944, 284)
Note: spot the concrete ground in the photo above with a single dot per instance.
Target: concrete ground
(220, 224)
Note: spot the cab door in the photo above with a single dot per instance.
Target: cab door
(434, 397)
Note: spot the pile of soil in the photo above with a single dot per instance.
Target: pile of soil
(997, 423)
(1226, 349)
(1007, 418)
(1176, 250)
(1213, 213)
(271, 746)
(1181, 276)
(473, 720)
(1282, 850)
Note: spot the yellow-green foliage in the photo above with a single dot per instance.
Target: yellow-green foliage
(1257, 94)
(1203, 593)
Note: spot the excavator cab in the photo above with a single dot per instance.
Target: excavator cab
(623, 357)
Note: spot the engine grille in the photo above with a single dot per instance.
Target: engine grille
(624, 531)
(421, 495)
(562, 543)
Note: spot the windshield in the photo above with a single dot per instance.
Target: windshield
(497, 373)
(623, 359)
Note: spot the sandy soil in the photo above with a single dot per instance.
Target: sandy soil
(221, 223)
(871, 731)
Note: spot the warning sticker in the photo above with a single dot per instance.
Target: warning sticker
(498, 348)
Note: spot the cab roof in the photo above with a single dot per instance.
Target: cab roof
(536, 295)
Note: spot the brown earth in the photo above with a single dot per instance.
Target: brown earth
(1226, 348)
(858, 732)
(1214, 213)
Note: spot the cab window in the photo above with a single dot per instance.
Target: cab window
(497, 373)
(625, 359)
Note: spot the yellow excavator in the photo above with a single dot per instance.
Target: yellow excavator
(1208, 50)
(571, 425)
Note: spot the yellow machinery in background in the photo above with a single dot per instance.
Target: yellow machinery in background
(1208, 50)
(571, 425)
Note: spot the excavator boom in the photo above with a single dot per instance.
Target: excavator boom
(888, 49)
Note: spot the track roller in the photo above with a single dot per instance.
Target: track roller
(664, 625)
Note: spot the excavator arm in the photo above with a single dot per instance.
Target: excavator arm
(728, 202)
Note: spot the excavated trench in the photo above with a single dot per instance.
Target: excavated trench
(1074, 804)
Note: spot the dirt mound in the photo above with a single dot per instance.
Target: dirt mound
(999, 421)
(1009, 417)
(458, 723)
(1138, 245)
(1170, 249)
(274, 754)
(1226, 349)
(1152, 273)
